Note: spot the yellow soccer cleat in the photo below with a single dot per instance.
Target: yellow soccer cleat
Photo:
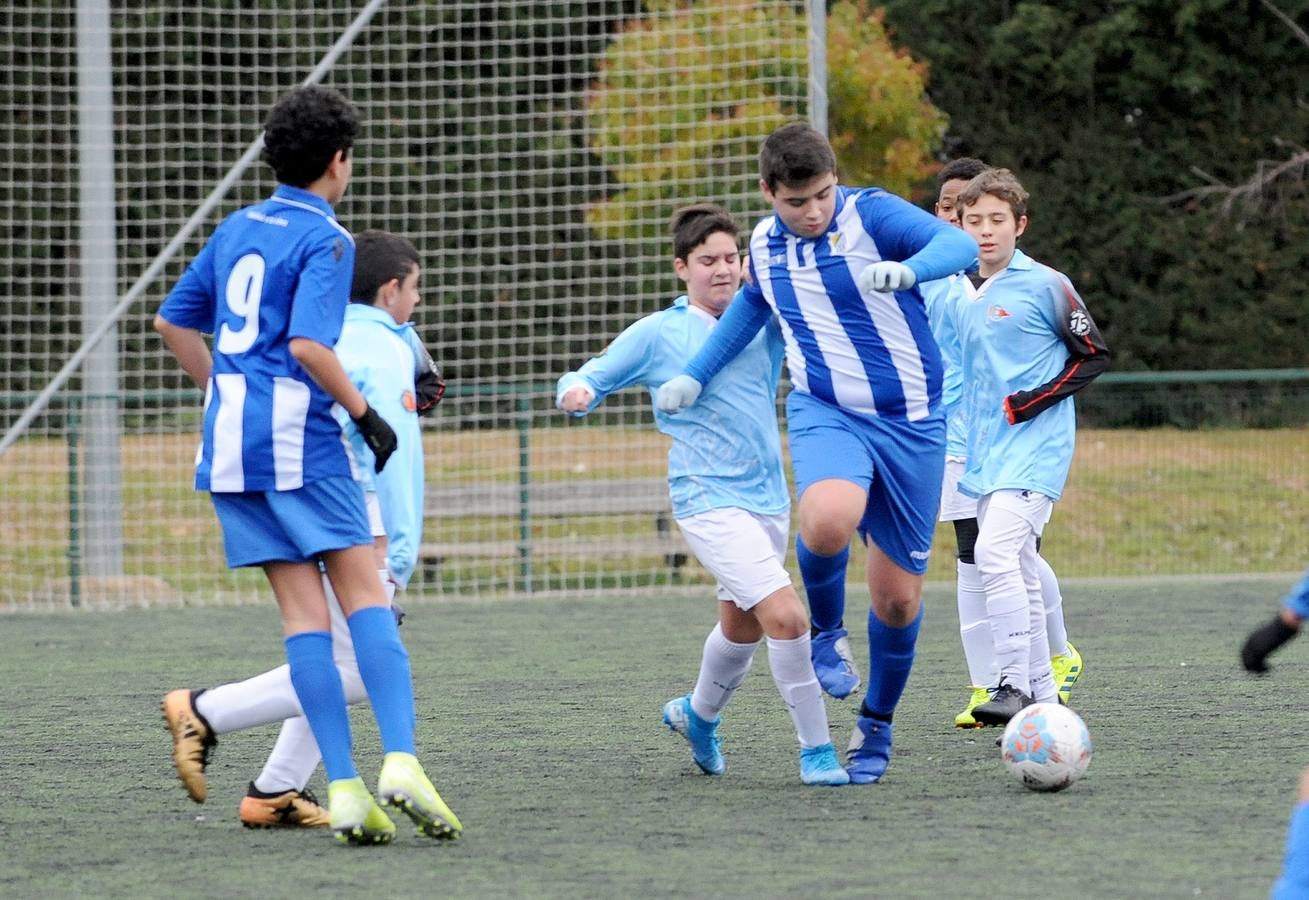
(293, 809)
(965, 719)
(192, 741)
(355, 817)
(403, 784)
(1067, 669)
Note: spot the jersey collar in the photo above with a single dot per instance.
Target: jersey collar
(362, 312)
(300, 195)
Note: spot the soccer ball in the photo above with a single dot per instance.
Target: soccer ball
(1046, 746)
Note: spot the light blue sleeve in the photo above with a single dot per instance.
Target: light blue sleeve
(624, 362)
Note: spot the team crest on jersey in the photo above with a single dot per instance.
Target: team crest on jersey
(1079, 323)
(834, 241)
(408, 402)
(338, 249)
(995, 313)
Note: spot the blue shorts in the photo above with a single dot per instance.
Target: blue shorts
(900, 464)
(292, 526)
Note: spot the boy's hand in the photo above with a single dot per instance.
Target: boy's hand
(886, 276)
(429, 386)
(378, 435)
(677, 393)
(576, 399)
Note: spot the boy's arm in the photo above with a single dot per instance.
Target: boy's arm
(189, 346)
(324, 367)
(930, 248)
(383, 383)
(622, 363)
(746, 314)
(1088, 357)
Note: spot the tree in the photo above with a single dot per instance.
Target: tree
(664, 131)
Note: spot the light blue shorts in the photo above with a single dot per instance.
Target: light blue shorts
(292, 526)
(900, 464)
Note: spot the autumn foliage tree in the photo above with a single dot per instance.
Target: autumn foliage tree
(689, 127)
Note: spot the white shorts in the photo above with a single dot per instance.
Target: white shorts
(1031, 507)
(745, 551)
(954, 505)
(374, 514)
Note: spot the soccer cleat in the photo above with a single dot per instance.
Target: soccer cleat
(965, 719)
(294, 809)
(869, 751)
(819, 765)
(355, 817)
(700, 734)
(833, 663)
(1004, 704)
(192, 741)
(1067, 669)
(403, 784)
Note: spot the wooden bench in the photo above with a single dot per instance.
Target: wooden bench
(553, 501)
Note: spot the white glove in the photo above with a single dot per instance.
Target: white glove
(677, 393)
(886, 276)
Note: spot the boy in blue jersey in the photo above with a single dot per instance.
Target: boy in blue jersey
(838, 268)
(271, 285)
(961, 510)
(728, 492)
(1294, 882)
(1026, 344)
(1269, 637)
(385, 360)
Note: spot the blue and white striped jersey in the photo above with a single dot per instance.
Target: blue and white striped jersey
(936, 294)
(378, 355)
(277, 270)
(872, 354)
(726, 450)
(1027, 344)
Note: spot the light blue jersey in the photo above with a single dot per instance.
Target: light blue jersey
(1027, 344)
(378, 355)
(936, 295)
(726, 451)
(871, 354)
(271, 272)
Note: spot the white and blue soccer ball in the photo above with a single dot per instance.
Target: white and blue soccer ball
(1046, 746)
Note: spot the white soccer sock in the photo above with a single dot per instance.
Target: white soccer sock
(974, 627)
(1011, 628)
(1040, 673)
(793, 673)
(722, 669)
(293, 760)
(1054, 608)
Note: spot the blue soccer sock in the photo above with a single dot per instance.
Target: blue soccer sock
(824, 584)
(384, 668)
(890, 657)
(318, 687)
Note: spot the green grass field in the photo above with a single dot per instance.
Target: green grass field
(539, 722)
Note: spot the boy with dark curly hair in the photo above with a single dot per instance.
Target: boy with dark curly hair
(271, 286)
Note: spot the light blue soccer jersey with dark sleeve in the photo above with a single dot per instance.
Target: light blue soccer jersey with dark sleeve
(936, 295)
(726, 450)
(271, 272)
(872, 354)
(378, 356)
(1025, 333)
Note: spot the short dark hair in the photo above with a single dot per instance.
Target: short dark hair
(965, 168)
(304, 131)
(692, 226)
(999, 183)
(795, 154)
(379, 257)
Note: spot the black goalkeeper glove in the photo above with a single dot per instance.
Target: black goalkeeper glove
(429, 386)
(378, 435)
(1262, 642)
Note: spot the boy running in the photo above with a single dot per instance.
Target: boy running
(728, 492)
